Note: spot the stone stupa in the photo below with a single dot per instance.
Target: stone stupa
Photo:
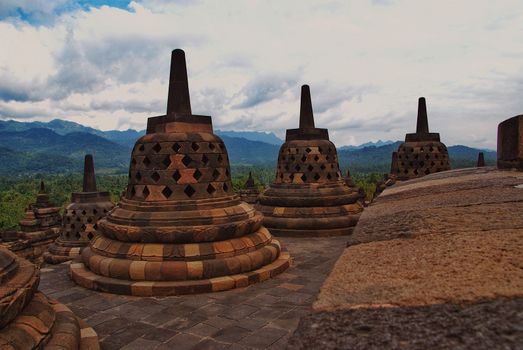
(180, 228)
(510, 143)
(28, 319)
(38, 229)
(309, 196)
(250, 193)
(422, 153)
(80, 218)
(481, 160)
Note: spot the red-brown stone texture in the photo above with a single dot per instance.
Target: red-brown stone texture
(510, 143)
(422, 153)
(180, 229)
(250, 193)
(31, 321)
(441, 251)
(38, 229)
(80, 218)
(309, 196)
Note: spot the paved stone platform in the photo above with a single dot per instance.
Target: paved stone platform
(261, 316)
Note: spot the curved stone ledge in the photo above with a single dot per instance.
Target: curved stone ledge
(82, 276)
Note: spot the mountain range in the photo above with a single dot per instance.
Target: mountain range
(59, 146)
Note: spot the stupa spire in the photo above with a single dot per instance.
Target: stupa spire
(89, 177)
(178, 101)
(481, 160)
(42, 187)
(422, 126)
(306, 115)
(250, 181)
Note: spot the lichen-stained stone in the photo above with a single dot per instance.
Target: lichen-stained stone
(309, 196)
(180, 229)
(28, 319)
(80, 218)
(510, 143)
(250, 193)
(422, 153)
(38, 229)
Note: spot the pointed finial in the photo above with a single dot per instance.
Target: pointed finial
(422, 126)
(89, 177)
(42, 187)
(250, 181)
(348, 172)
(481, 160)
(306, 116)
(178, 101)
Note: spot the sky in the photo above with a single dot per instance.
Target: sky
(105, 64)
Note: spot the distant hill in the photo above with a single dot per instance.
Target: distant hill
(267, 137)
(378, 143)
(59, 146)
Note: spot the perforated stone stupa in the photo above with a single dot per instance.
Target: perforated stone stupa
(180, 228)
(309, 196)
(422, 153)
(38, 229)
(250, 193)
(28, 320)
(80, 218)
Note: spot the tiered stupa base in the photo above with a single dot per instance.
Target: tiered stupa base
(213, 251)
(29, 319)
(328, 209)
(62, 251)
(417, 159)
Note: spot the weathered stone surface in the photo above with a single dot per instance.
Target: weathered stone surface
(180, 228)
(510, 143)
(309, 195)
(250, 193)
(422, 153)
(38, 229)
(80, 218)
(28, 320)
(448, 239)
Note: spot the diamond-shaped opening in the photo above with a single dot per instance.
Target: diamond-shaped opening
(431, 148)
(291, 177)
(72, 226)
(84, 212)
(90, 235)
(316, 158)
(78, 219)
(176, 175)
(95, 226)
(77, 235)
(95, 211)
(308, 150)
(297, 167)
(186, 160)
(166, 161)
(167, 192)
(157, 148)
(205, 160)
(225, 187)
(427, 171)
(141, 148)
(220, 158)
(427, 157)
(303, 178)
(329, 176)
(195, 146)
(304, 158)
(293, 158)
(282, 157)
(68, 219)
(416, 172)
(146, 162)
(416, 156)
(286, 168)
(133, 162)
(310, 167)
(432, 163)
(227, 172)
(319, 149)
(322, 167)
(105, 211)
(133, 192)
(211, 146)
(155, 176)
(317, 176)
(215, 174)
(222, 146)
(197, 174)
(138, 176)
(89, 220)
(145, 192)
(327, 158)
(83, 227)
(189, 191)
(211, 189)
(281, 176)
(176, 147)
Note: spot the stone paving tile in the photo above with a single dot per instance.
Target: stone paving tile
(261, 316)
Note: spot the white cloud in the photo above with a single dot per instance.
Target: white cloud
(366, 64)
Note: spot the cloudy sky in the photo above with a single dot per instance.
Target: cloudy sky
(106, 63)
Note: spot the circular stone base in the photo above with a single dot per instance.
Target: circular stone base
(84, 277)
(58, 254)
